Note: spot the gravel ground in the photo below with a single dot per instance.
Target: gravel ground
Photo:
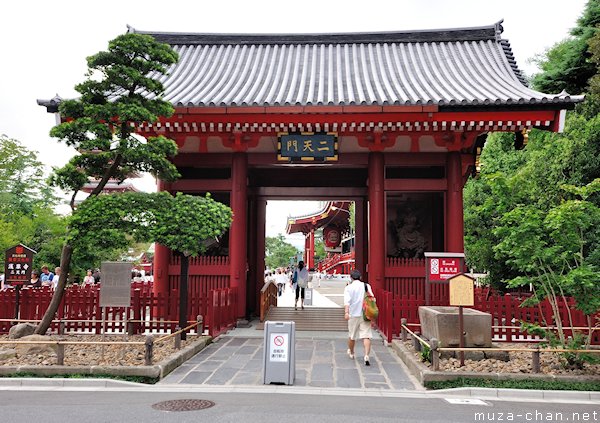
(519, 362)
(91, 355)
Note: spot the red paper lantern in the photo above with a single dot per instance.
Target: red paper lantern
(332, 237)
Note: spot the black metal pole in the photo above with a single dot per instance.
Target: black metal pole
(462, 338)
(183, 294)
(17, 302)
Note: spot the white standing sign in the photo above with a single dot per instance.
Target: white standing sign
(279, 346)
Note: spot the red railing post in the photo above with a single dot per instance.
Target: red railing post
(137, 311)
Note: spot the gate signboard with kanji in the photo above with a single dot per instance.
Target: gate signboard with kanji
(18, 263)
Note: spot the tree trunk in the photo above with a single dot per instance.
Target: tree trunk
(65, 264)
(183, 294)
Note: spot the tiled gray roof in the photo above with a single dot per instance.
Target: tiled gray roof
(463, 67)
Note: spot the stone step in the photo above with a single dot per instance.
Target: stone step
(309, 319)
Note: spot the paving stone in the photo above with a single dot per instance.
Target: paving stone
(222, 376)
(255, 341)
(395, 373)
(324, 354)
(225, 352)
(237, 362)
(323, 345)
(246, 350)
(304, 354)
(197, 359)
(176, 375)
(209, 365)
(340, 344)
(236, 342)
(321, 372)
(374, 378)
(254, 365)
(386, 358)
(373, 368)
(300, 379)
(347, 378)
(247, 378)
(196, 377)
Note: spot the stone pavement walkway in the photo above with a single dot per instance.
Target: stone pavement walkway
(321, 361)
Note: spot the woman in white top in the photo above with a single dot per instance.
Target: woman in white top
(300, 280)
(280, 279)
(89, 279)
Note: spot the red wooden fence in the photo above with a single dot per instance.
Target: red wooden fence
(506, 311)
(81, 311)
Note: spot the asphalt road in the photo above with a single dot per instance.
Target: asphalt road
(123, 406)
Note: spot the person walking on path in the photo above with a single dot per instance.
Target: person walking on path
(300, 280)
(358, 328)
(280, 279)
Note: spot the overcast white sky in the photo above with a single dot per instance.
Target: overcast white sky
(44, 43)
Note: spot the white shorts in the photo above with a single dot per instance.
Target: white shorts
(358, 328)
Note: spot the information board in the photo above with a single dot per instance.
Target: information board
(115, 288)
(18, 264)
(442, 268)
(462, 290)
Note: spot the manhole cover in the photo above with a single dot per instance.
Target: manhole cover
(183, 405)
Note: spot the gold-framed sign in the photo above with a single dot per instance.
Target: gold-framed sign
(307, 146)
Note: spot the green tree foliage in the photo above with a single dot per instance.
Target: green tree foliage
(22, 184)
(568, 65)
(185, 222)
(278, 252)
(532, 216)
(182, 223)
(26, 205)
(555, 250)
(122, 91)
(118, 95)
(319, 248)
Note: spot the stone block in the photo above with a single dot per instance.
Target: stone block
(21, 330)
(441, 322)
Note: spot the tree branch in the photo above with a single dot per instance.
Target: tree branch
(107, 175)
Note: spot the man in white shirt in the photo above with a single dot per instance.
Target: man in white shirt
(358, 328)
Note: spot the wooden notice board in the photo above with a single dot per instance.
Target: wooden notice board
(461, 290)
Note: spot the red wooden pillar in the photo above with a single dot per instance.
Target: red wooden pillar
(360, 232)
(161, 270)
(239, 228)
(161, 260)
(377, 224)
(261, 219)
(310, 249)
(454, 205)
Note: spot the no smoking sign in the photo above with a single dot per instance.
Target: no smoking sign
(279, 347)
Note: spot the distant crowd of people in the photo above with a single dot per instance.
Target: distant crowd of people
(297, 278)
(45, 278)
